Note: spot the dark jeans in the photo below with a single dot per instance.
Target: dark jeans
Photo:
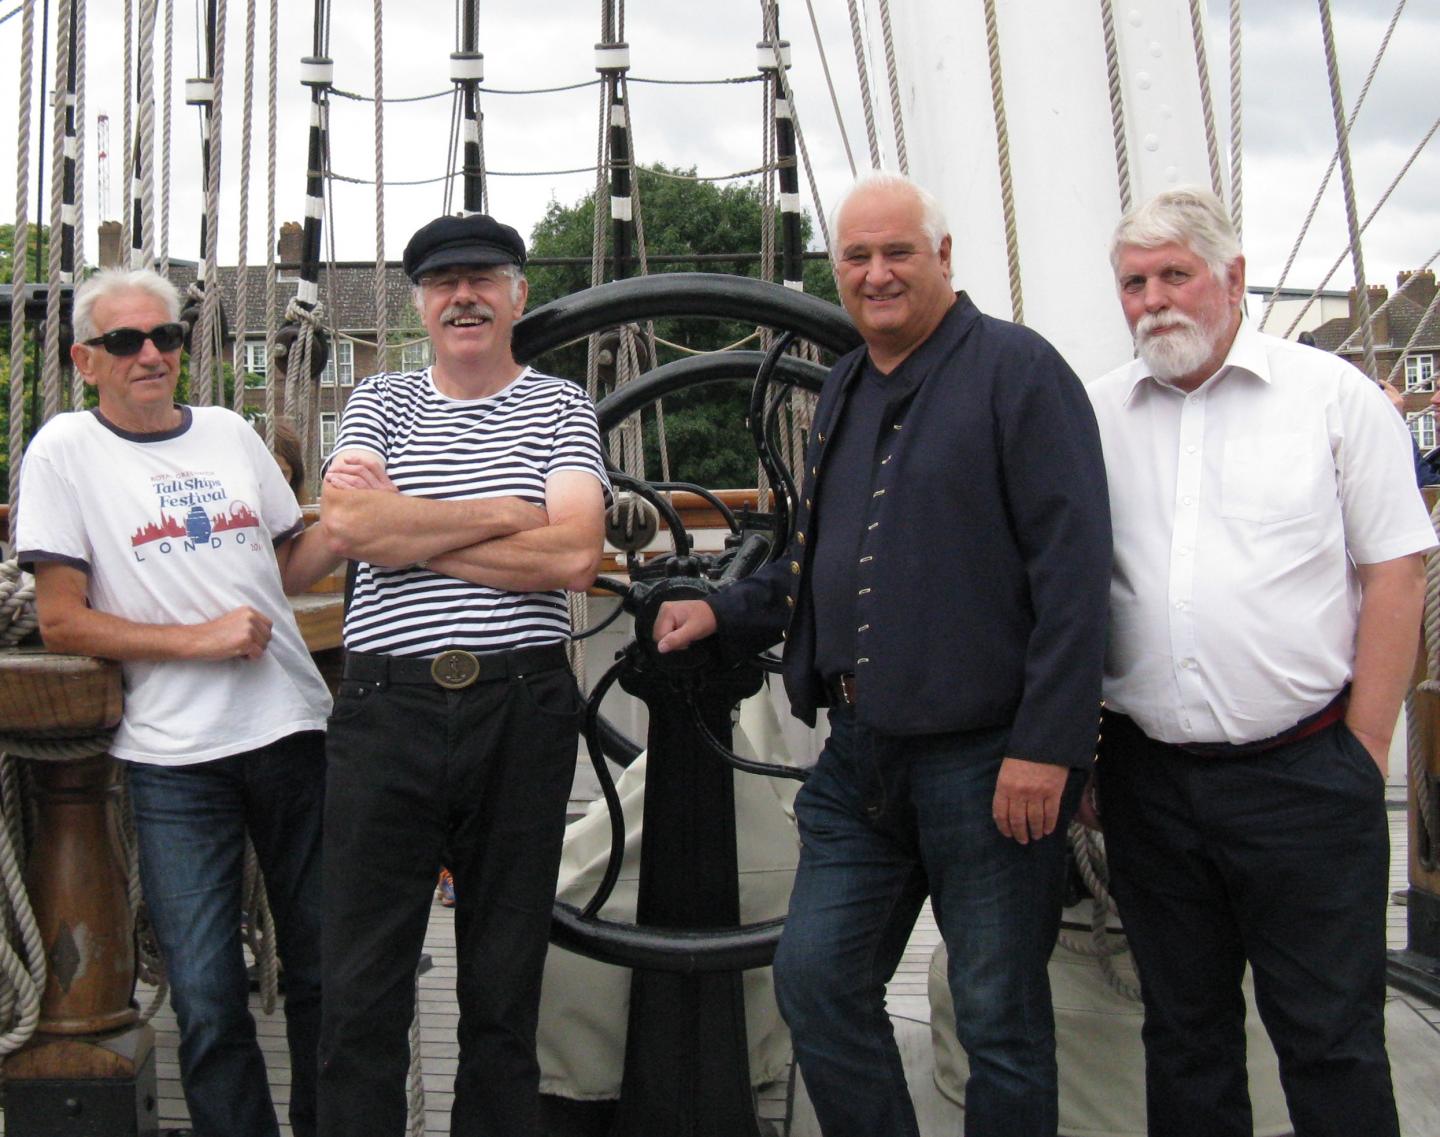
(190, 822)
(476, 779)
(1280, 859)
(884, 821)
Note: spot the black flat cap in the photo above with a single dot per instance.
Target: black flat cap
(474, 240)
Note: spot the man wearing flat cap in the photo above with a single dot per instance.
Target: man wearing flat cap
(471, 494)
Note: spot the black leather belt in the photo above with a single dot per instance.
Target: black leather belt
(454, 669)
(841, 689)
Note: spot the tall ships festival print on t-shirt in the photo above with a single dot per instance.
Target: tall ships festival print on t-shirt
(195, 512)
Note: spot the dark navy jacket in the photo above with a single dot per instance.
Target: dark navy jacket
(990, 539)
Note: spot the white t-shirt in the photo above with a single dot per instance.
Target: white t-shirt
(177, 528)
(1240, 511)
(506, 444)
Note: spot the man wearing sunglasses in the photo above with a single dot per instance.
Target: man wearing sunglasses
(165, 537)
(472, 495)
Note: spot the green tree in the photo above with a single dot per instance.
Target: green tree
(707, 439)
(7, 245)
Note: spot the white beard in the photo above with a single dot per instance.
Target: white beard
(1177, 353)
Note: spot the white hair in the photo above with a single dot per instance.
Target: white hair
(932, 217)
(111, 282)
(1187, 215)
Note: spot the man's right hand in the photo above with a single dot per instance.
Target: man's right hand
(681, 622)
(241, 634)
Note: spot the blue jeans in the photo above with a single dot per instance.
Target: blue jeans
(884, 821)
(191, 822)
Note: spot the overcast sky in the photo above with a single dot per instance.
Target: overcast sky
(1288, 129)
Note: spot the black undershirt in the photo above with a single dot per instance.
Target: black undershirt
(861, 441)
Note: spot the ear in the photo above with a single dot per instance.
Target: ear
(523, 295)
(1235, 280)
(944, 254)
(80, 356)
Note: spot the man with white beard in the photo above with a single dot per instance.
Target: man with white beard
(1264, 611)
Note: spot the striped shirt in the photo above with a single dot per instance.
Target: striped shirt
(505, 445)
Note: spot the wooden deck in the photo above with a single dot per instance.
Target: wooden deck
(1411, 1023)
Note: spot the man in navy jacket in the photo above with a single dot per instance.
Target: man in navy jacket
(945, 596)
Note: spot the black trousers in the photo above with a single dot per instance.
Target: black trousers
(1280, 859)
(477, 779)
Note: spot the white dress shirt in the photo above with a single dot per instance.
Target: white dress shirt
(1239, 513)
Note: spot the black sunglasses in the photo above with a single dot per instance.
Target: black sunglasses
(129, 341)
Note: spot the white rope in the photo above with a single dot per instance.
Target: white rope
(147, 132)
(239, 361)
(1207, 104)
(857, 38)
(830, 85)
(1347, 183)
(202, 379)
(1236, 119)
(1379, 205)
(127, 174)
(22, 953)
(260, 929)
(165, 131)
(892, 77)
(1330, 169)
(1117, 104)
(17, 603)
(271, 165)
(381, 276)
(1002, 143)
(53, 367)
(81, 48)
(20, 249)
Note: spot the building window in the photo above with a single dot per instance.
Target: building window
(328, 422)
(342, 357)
(255, 363)
(415, 356)
(1419, 373)
(1422, 426)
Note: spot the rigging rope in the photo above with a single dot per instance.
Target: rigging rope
(1379, 205)
(272, 296)
(1002, 143)
(20, 244)
(147, 132)
(1347, 183)
(202, 378)
(239, 359)
(892, 77)
(1207, 105)
(56, 246)
(1330, 169)
(773, 36)
(830, 85)
(1236, 121)
(1348, 342)
(127, 174)
(381, 276)
(857, 37)
(1117, 104)
(165, 131)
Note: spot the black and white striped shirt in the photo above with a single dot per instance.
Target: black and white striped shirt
(505, 445)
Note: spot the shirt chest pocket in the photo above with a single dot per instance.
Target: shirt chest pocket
(1271, 478)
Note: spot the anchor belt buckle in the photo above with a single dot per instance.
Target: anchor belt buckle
(455, 669)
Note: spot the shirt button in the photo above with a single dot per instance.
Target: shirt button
(878, 493)
(1187, 501)
(795, 567)
(863, 592)
(1190, 449)
(873, 525)
(1181, 605)
(807, 503)
(821, 437)
(790, 601)
(1182, 552)
(863, 628)
(800, 538)
(862, 659)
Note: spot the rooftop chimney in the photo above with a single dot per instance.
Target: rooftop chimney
(110, 253)
(1421, 290)
(1379, 325)
(291, 247)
